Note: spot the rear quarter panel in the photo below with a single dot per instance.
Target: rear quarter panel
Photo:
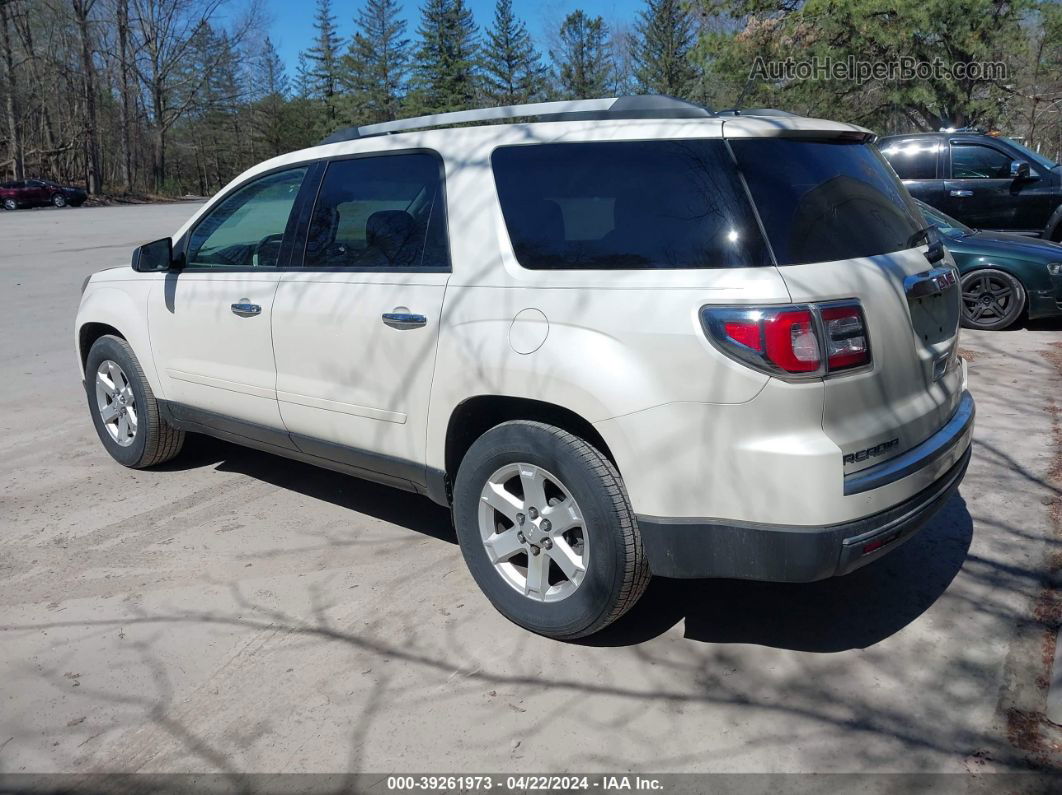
(612, 342)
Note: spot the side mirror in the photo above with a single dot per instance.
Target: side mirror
(154, 256)
(1019, 169)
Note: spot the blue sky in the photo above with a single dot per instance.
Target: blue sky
(291, 27)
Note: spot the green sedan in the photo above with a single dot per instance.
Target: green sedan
(1003, 275)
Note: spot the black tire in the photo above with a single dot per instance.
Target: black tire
(10, 204)
(992, 299)
(617, 572)
(155, 441)
(59, 200)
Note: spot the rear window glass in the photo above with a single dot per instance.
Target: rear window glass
(626, 205)
(827, 200)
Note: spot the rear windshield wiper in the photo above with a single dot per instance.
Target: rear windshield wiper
(936, 246)
(921, 234)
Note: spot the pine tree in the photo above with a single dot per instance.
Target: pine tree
(512, 68)
(663, 51)
(271, 83)
(583, 57)
(377, 65)
(323, 61)
(303, 78)
(446, 76)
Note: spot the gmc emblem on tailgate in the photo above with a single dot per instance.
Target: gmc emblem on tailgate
(871, 452)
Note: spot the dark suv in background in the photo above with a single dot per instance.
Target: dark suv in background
(986, 181)
(38, 192)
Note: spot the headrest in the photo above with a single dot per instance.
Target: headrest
(388, 231)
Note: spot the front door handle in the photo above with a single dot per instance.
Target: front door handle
(404, 320)
(962, 193)
(244, 308)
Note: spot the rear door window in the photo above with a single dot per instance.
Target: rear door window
(913, 158)
(825, 200)
(380, 213)
(626, 205)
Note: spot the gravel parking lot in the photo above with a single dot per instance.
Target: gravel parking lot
(236, 612)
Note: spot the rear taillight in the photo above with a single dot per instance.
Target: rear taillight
(791, 341)
(846, 336)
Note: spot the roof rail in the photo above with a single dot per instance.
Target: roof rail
(755, 112)
(650, 106)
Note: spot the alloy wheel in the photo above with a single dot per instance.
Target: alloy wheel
(987, 298)
(59, 200)
(10, 204)
(533, 532)
(116, 402)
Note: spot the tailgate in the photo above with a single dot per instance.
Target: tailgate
(842, 226)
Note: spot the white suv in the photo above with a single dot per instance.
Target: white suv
(629, 337)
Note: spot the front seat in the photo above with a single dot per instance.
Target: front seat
(389, 234)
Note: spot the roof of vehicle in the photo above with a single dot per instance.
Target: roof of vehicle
(650, 117)
(630, 108)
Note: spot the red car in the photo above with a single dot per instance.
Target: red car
(36, 192)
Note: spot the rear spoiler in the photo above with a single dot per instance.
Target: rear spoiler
(791, 126)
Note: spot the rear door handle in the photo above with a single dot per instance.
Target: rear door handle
(244, 308)
(404, 320)
(962, 193)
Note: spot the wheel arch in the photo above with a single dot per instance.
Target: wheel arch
(474, 416)
(1053, 227)
(1006, 267)
(87, 335)
(112, 310)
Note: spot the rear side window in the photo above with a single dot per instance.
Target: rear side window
(379, 212)
(827, 200)
(626, 205)
(913, 159)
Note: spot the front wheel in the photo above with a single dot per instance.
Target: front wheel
(992, 299)
(59, 200)
(124, 409)
(10, 204)
(547, 530)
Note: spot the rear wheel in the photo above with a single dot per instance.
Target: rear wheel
(10, 204)
(991, 299)
(124, 409)
(547, 531)
(59, 200)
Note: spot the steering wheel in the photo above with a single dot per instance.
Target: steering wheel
(268, 249)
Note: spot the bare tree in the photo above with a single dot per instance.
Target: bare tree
(11, 108)
(82, 9)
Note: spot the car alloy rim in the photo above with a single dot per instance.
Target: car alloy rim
(533, 532)
(116, 403)
(987, 298)
(58, 201)
(9, 204)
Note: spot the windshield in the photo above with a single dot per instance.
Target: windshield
(826, 200)
(1036, 157)
(945, 223)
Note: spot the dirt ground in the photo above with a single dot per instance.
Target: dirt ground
(236, 612)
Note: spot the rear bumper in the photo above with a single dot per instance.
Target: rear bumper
(695, 548)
